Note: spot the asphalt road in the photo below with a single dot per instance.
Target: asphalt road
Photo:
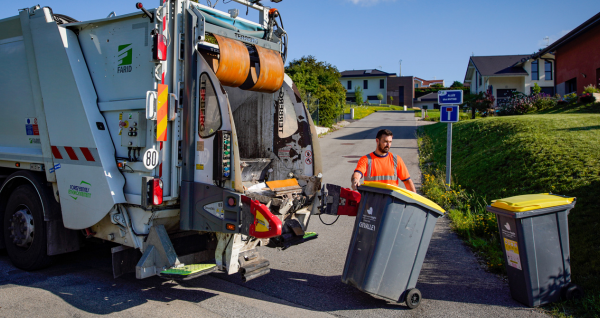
(304, 280)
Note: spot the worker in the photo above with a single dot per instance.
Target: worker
(382, 165)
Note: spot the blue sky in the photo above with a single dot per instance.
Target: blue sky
(432, 38)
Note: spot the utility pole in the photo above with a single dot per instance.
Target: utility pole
(400, 70)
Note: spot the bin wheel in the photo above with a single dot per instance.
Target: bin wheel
(413, 298)
(572, 291)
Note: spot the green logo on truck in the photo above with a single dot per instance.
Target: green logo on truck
(81, 190)
(126, 58)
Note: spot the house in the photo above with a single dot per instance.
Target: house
(402, 90)
(505, 74)
(429, 100)
(396, 90)
(372, 82)
(419, 82)
(577, 57)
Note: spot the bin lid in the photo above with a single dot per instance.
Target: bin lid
(528, 202)
(412, 195)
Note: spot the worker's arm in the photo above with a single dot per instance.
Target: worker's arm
(355, 180)
(361, 168)
(410, 186)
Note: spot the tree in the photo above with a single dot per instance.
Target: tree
(437, 85)
(536, 89)
(322, 81)
(482, 102)
(457, 84)
(358, 93)
(392, 99)
(380, 97)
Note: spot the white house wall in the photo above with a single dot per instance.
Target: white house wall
(373, 89)
(542, 82)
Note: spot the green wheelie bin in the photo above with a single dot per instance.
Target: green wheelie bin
(534, 234)
(391, 235)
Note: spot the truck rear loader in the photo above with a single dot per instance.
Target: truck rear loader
(171, 131)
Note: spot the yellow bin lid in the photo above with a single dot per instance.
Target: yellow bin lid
(528, 202)
(410, 194)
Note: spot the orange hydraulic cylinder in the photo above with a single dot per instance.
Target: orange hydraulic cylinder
(234, 62)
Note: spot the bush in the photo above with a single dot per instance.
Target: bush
(590, 89)
(569, 98)
(517, 104)
(543, 102)
(520, 104)
(587, 98)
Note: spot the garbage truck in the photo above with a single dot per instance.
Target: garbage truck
(171, 131)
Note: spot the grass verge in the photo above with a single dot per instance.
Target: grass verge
(434, 115)
(361, 112)
(505, 156)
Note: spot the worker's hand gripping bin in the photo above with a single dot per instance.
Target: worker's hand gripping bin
(534, 235)
(389, 242)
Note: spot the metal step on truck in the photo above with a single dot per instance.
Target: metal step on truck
(172, 131)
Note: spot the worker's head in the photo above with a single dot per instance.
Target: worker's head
(384, 140)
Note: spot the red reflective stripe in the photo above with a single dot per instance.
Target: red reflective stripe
(71, 153)
(87, 154)
(56, 153)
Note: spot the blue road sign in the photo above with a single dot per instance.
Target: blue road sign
(449, 114)
(450, 97)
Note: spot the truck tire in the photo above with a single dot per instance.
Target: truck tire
(25, 230)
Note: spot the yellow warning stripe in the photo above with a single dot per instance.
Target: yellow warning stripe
(161, 112)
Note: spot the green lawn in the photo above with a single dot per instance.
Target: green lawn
(498, 157)
(434, 115)
(364, 111)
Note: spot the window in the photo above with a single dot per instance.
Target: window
(349, 86)
(480, 80)
(571, 86)
(548, 69)
(209, 111)
(416, 85)
(535, 68)
(365, 84)
(381, 83)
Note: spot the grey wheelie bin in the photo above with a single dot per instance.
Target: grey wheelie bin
(391, 235)
(534, 234)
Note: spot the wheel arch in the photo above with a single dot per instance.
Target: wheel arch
(60, 239)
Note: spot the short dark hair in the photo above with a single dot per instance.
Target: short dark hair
(384, 132)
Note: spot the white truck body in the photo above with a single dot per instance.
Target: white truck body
(82, 107)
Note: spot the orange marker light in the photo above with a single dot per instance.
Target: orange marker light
(230, 227)
(17, 164)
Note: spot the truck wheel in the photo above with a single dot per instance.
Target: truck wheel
(413, 298)
(25, 230)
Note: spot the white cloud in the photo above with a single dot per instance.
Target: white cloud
(543, 43)
(368, 2)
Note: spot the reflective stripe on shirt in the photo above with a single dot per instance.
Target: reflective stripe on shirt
(369, 176)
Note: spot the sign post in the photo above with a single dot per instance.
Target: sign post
(449, 113)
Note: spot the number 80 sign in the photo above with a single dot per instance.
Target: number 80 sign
(150, 159)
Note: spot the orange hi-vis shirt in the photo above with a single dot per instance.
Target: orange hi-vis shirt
(385, 169)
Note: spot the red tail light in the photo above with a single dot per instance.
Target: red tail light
(157, 191)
